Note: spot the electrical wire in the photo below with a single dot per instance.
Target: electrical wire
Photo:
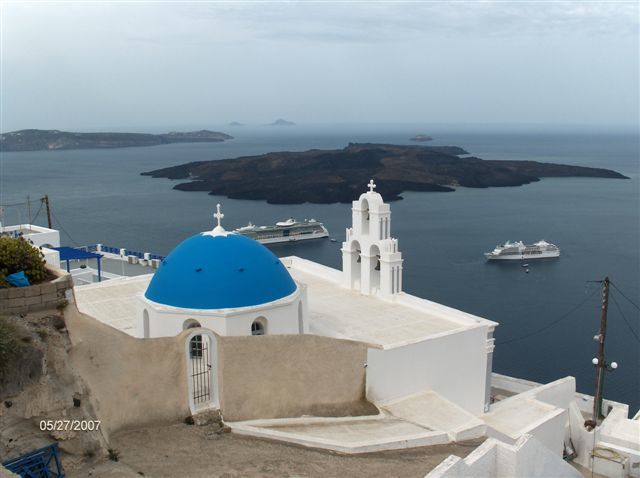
(14, 204)
(551, 324)
(37, 213)
(622, 294)
(624, 318)
(63, 229)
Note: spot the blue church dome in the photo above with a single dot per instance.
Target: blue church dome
(209, 271)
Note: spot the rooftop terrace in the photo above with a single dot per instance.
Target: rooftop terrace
(347, 314)
(335, 311)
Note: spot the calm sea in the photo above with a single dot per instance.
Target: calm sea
(99, 196)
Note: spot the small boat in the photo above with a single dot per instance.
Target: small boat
(525, 265)
(333, 240)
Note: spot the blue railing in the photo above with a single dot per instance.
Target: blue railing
(41, 463)
(116, 250)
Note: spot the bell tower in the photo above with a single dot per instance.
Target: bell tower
(371, 262)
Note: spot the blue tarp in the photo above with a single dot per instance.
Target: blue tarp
(18, 279)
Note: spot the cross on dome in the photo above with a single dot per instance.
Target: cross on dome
(218, 215)
(371, 185)
(218, 230)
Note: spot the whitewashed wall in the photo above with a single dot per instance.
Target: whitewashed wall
(549, 431)
(453, 365)
(494, 459)
(52, 257)
(280, 317)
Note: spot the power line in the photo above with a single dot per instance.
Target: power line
(625, 319)
(64, 230)
(14, 204)
(558, 320)
(622, 294)
(37, 213)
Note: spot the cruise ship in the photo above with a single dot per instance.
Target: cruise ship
(519, 251)
(285, 231)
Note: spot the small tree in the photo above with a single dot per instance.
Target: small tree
(16, 254)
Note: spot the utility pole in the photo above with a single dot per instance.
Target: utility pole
(45, 199)
(29, 209)
(601, 365)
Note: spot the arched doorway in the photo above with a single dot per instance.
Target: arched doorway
(202, 376)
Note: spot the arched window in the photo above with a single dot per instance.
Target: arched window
(190, 324)
(259, 326)
(364, 217)
(196, 346)
(356, 264)
(374, 277)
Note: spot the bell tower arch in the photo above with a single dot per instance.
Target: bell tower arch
(371, 261)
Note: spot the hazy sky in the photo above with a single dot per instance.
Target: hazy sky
(145, 65)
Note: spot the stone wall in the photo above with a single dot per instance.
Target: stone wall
(132, 383)
(48, 295)
(281, 376)
(135, 383)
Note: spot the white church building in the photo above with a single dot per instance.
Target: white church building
(235, 286)
(425, 367)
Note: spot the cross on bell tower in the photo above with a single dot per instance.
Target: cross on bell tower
(371, 185)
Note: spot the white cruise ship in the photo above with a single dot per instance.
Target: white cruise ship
(519, 251)
(285, 231)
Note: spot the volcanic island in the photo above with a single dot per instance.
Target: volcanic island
(329, 176)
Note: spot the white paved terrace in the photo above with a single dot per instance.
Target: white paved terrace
(420, 420)
(347, 314)
(345, 435)
(113, 302)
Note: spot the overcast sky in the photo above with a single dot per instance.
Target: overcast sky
(87, 66)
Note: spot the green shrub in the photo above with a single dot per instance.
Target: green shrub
(10, 345)
(16, 254)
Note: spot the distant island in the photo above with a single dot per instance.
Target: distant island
(39, 139)
(282, 122)
(235, 123)
(421, 137)
(329, 176)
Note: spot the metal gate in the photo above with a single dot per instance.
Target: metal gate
(199, 353)
(41, 463)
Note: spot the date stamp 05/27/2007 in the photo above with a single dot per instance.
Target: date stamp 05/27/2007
(73, 425)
